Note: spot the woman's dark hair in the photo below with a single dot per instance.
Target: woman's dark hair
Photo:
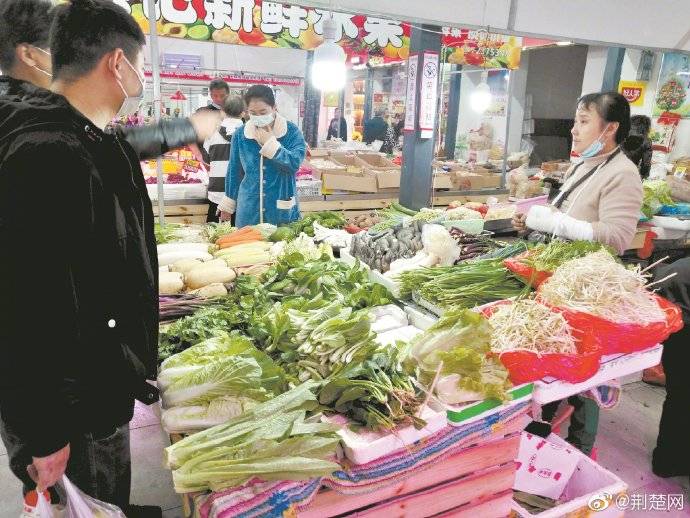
(23, 21)
(262, 93)
(640, 125)
(233, 106)
(219, 84)
(86, 30)
(612, 107)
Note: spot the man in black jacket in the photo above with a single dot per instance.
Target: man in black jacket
(72, 369)
(26, 65)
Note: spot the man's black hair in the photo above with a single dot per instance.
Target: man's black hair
(219, 84)
(261, 92)
(612, 107)
(86, 30)
(23, 21)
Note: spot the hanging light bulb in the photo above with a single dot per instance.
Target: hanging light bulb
(480, 99)
(328, 70)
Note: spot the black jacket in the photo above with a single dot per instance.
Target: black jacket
(148, 141)
(337, 129)
(375, 129)
(639, 150)
(78, 267)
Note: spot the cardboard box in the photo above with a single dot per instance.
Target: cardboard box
(466, 181)
(443, 181)
(319, 167)
(318, 152)
(377, 161)
(449, 166)
(388, 179)
(365, 181)
(352, 163)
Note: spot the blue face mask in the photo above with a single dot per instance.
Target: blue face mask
(595, 147)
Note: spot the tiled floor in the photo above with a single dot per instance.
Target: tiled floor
(627, 435)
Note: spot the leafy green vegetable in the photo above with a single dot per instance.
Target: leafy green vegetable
(231, 376)
(272, 440)
(215, 231)
(461, 339)
(655, 193)
(165, 233)
(306, 225)
(465, 285)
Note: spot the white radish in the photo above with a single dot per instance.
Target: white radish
(172, 257)
(178, 247)
(163, 268)
(200, 278)
(211, 290)
(170, 283)
(214, 263)
(184, 265)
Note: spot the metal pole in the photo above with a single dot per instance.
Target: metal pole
(155, 70)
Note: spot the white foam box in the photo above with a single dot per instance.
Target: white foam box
(419, 318)
(462, 415)
(612, 367)
(591, 485)
(365, 446)
(374, 275)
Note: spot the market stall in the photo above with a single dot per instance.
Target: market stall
(398, 377)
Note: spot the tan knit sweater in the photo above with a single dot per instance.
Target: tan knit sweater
(610, 199)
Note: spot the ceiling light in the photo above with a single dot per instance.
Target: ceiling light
(328, 70)
(480, 99)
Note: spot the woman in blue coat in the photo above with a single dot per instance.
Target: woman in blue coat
(265, 155)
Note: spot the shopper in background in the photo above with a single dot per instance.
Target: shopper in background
(218, 149)
(264, 158)
(671, 456)
(67, 393)
(218, 90)
(27, 68)
(600, 200)
(399, 119)
(24, 47)
(638, 146)
(376, 128)
(338, 127)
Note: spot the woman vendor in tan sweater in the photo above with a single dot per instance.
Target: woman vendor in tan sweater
(602, 195)
(600, 200)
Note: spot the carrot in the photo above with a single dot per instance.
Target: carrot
(235, 243)
(235, 236)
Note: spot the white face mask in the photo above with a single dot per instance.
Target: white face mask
(131, 103)
(262, 120)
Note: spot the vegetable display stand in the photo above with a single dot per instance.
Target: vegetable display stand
(459, 471)
(612, 367)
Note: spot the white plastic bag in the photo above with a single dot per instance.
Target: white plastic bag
(77, 504)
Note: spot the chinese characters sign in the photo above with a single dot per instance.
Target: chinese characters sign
(272, 24)
(411, 99)
(427, 94)
(633, 91)
(481, 49)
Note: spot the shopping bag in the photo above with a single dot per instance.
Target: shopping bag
(77, 504)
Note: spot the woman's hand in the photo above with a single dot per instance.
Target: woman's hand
(263, 135)
(519, 222)
(224, 216)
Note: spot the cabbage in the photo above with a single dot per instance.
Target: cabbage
(232, 376)
(187, 419)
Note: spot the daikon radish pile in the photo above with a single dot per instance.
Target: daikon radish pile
(170, 283)
(201, 277)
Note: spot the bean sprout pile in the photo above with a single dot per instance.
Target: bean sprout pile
(526, 325)
(598, 285)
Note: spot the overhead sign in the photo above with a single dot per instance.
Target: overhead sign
(481, 48)
(229, 78)
(272, 24)
(633, 91)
